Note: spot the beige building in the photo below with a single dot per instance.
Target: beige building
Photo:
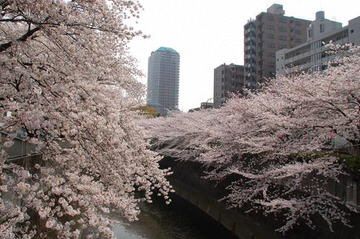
(263, 36)
(228, 79)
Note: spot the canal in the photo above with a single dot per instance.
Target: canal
(179, 220)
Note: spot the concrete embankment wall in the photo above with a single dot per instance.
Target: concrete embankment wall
(189, 184)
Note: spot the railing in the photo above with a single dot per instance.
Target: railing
(20, 152)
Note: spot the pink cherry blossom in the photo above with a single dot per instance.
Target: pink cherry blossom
(70, 87)
(280, 143)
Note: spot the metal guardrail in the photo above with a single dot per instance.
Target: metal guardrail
(20, 150)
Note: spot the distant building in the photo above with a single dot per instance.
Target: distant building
(203, 106)
(312, 55)
(268, 33)
(163, 80)
(228, 79)
(206, 105)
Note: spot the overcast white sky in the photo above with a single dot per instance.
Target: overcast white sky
(207, 33)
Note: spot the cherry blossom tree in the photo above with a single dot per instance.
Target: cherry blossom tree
(278, 143)
(69, 85)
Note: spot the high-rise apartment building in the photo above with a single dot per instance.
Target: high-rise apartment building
(313, 54)
(163, 80)
(228, 79)
(263, 36)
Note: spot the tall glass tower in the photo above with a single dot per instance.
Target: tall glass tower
(163, 80)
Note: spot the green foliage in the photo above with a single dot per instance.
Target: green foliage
(351, 161)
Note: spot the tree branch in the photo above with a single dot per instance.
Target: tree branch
(5, 46)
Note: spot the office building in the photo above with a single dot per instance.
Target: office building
(163, 80)
(269, 32)
(313, 54)
(228, 79)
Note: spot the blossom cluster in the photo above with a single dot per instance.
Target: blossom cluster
(68, 86)
(280, 143)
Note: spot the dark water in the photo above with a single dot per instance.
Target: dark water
(179, 220)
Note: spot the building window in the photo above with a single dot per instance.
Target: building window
(283, 19)
(352, 31)
(282, 29)
(271, 54)
(270, 27)
(310, 33)
(272, 45)
(271, 36)
(322, 27)
(282, 37)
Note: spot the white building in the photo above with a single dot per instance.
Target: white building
(312, 55)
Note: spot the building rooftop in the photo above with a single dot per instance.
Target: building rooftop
(276, 9)
(167, 49)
